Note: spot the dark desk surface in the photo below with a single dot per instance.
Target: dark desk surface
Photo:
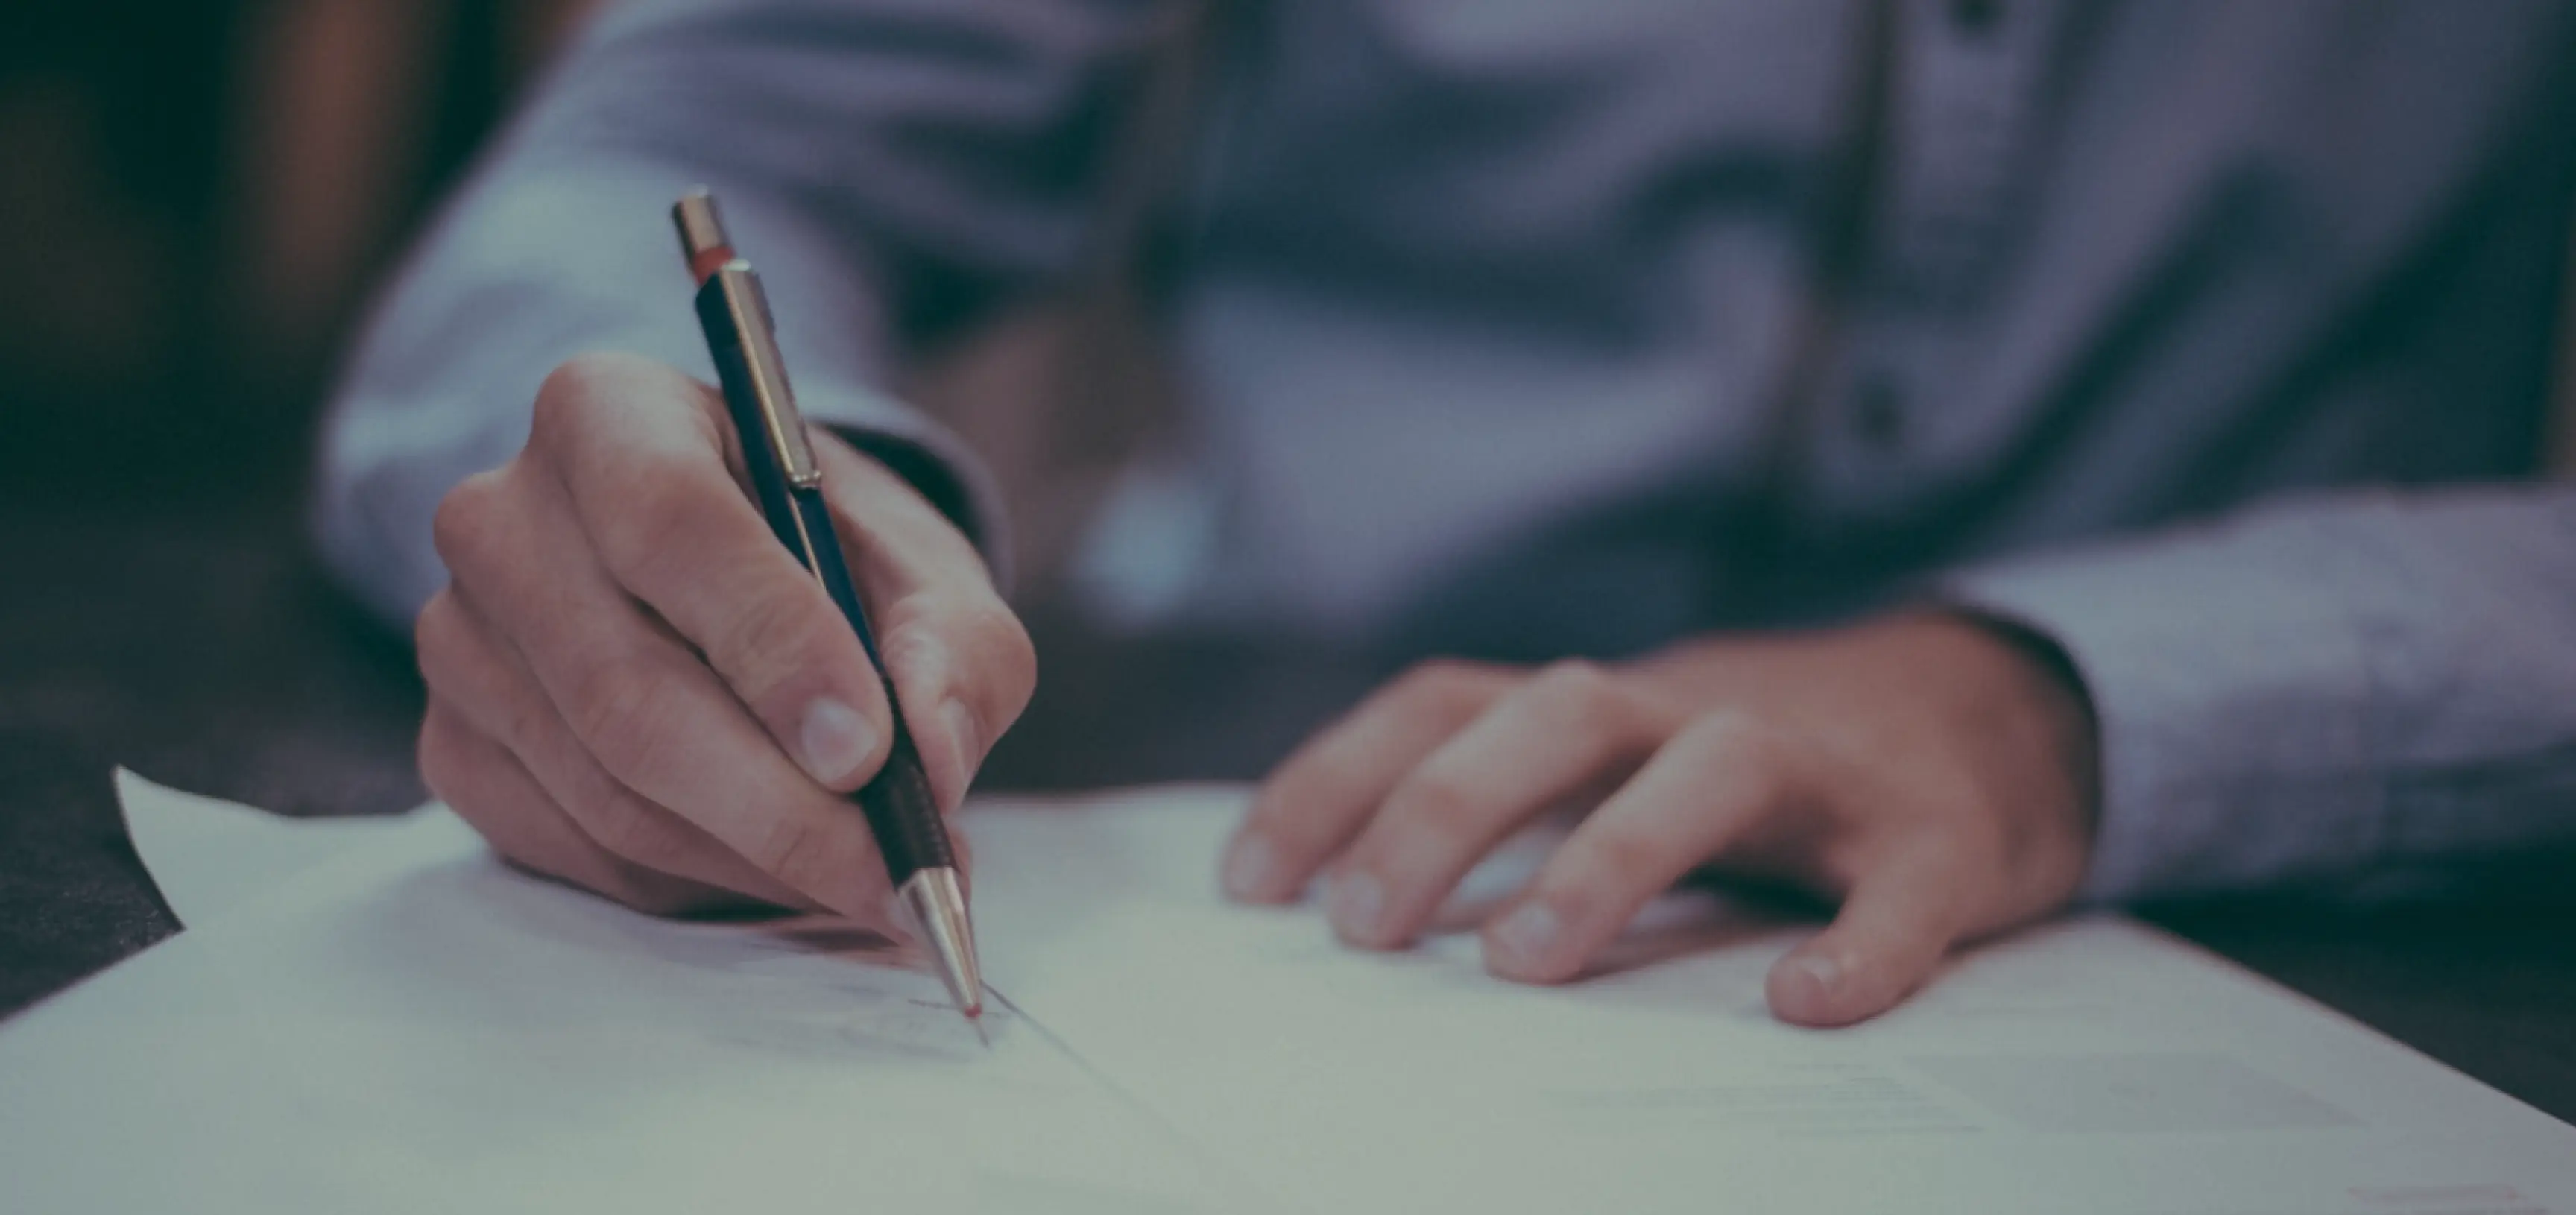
(205, 653)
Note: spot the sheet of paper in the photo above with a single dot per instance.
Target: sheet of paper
(429, 1030)
(414, 1027)
(2092, 1066)
(208, 855)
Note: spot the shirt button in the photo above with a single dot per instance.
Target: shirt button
(1878, 412)
(1976, 17)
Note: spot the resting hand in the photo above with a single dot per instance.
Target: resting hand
(1933, 777)
(634, 688)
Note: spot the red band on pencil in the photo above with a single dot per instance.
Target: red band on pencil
(704, 264)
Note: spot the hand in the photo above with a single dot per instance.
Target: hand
(1934, 777)
(634, 688)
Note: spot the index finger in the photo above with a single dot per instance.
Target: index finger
(640, 450)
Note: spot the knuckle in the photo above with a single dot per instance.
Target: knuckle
(596, 393)
(556, 416)
(1445, 685)
(1437, 803)
(1577, 687)
(1743, 744)
(438, 634)
(621, 720)
(467, 521)
(516, 726)
(767, 639)
(454, 659)
(566, 398)
(656, 509)
(1432, 675)
(1616, 853)
(437, 755)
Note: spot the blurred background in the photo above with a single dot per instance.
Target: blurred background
(193, 197)
(196, 197)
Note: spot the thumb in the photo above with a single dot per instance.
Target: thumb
(1892, 933)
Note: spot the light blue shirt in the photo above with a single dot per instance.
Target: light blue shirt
(2209, 339)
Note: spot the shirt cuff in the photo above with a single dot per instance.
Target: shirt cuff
(2230, 693)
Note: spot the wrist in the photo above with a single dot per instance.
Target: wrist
(2052, 708)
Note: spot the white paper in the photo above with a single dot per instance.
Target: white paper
(414, 1027)
(208, 855)
(2089, 1066)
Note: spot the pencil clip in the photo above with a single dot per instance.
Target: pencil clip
(713, 262)
(749, 304)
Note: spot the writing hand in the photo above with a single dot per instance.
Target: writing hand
(634, 687)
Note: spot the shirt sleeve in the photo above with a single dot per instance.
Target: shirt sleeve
(896, 168)
(2376, 692)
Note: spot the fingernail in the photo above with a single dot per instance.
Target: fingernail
(1354, 905)
(1248, 863)
(1821, 971)
(964, 742)
(1527, 936)
(835, 740)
